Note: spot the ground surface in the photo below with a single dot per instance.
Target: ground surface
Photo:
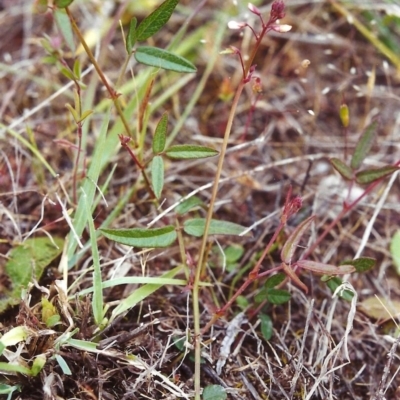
(284, 137)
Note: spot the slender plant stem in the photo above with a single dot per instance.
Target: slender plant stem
(201, 260)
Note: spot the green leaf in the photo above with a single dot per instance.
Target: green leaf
(274, 280)
(326, 269)
(157, 175)
(233, 253)
(214, 392)
(131, 36)
(278, 296)
(371, 175)
(64, 25)
(28, 260)
(364, 145)
(333, 283)
(395, 251)
(156, 20)
(164, 59)
(77, 69)
(195, 227)
(160, 135)
(142, 237)
(362, 264)
(188, 205)
(62, 3)
(293, 240)
(38, 364)
(342, 168)
(7, 389)
(63, 365)
(187, 151)
(266, 326)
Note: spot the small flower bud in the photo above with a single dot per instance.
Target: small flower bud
(254, 9)
(236, 25)
(277, 10)
(281, 28)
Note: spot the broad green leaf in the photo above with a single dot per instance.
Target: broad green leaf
(395, 251)
(157, 175)
(261, 296)
(189, 204)
(28, 260)
(293, 240)
(195, 227)
(160, 135)
(7, 389)
(371, 175)
(156, 20)
(326, 269)
(77, 69)
(164, 59)
(8, 368)
(142, 237)
(362, 264)
(266, 326)
(50, 314)
(364, 145)
(63, 365)
(140, 294)
(274, 280)
(62, 3)
(64, 25)
(333, 283)
(342, 168)
(214, 392)
(131, 36)
(278, 296)
(233, 253)
(38, 364)
(187, 151)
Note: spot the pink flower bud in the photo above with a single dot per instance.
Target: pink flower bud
(281, 28)
(277, 10)
(236, 25)
(254, 9)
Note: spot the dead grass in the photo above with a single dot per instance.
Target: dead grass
(293, 131)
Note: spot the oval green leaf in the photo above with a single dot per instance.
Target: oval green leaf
(142, 237)
(214, 392)
(278, 296)
(342, 168)
(160, 135)
(156, 20)
(131, 36)
(372, 175)
(195, 227)
(187, 151)
(364, 145)
(188, 205)
(275, 280)
(157, 175)
(333, 283)
(164, 59)
(362, 264)
(266, 326)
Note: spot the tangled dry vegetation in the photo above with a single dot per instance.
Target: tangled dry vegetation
(322, 347)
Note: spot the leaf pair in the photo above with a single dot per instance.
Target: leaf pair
(165, 236)
(361, 151)
(154, 56)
